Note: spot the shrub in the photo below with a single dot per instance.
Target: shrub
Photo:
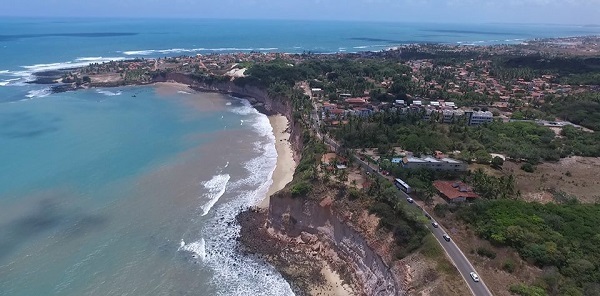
(528, 167)
(353, 194)
(509, 266)
(524, 290)
(301, 188)
(497, 162)
(440, 210)
(485, 252)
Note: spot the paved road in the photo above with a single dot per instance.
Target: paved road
(458, 258)
(454, 253)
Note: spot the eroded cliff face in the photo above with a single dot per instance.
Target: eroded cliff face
(301, 219)
(308, 231)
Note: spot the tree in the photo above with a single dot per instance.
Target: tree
(497, 162)
(483, 157)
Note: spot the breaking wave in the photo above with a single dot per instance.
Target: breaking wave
(193, 50)
(197, 248)
(8, 81)
(38, 93)
(109, 93)
(216, 188)
(234, 272)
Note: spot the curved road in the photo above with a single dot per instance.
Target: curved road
(457, 257)
(453, 252)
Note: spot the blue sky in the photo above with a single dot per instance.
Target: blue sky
(460, 11)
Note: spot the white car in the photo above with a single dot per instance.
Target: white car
(446, 237)
(474, 276)
(435, 224)
(410, 200)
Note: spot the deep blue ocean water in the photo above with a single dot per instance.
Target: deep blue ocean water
(134, 190)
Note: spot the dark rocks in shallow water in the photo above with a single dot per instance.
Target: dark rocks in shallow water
(48, 77)
(63, 88)
(44, 80)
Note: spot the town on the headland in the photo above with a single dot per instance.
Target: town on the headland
(493, 148)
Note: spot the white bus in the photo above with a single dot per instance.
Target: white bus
(402, 186)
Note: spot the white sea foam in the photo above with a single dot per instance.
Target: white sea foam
(8, 81)
(99, 59)
(109, 93)
(235, 273)
(4, 71)
(183, 92)
(216, 188)
(38, 93)
(79, 62)
(245, 109)
(197, 248)
(191, 50)
(369, 46)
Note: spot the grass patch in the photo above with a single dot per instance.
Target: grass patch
(431, 248)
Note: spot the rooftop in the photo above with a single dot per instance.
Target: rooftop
(453, 190)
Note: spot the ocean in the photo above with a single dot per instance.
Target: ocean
(134, 190)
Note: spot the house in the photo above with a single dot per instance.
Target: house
(336, 113)
(454, 191)
(363, 112)
(329, 106)
(316, 92)
(357, 102)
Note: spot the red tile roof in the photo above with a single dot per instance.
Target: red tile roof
(452, 190)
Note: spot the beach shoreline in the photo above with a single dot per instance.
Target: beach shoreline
(285, 167)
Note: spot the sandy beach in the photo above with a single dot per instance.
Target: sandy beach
(284, 170)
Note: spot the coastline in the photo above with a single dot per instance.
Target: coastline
(285, 167)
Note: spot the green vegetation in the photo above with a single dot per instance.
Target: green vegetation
(431, 248)
(485, 252)
(524, 290)
(526, 67)
(527, 167)
(404, 221)
(561, 236)
(518, 140)
(497, 162)
(509, 266)
(353, 76)
(582, 109)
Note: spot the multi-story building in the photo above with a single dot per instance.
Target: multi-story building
(451, 116)
(432, 163)
(479, 117)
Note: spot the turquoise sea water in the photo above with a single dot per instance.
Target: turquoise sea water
(134, 190)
